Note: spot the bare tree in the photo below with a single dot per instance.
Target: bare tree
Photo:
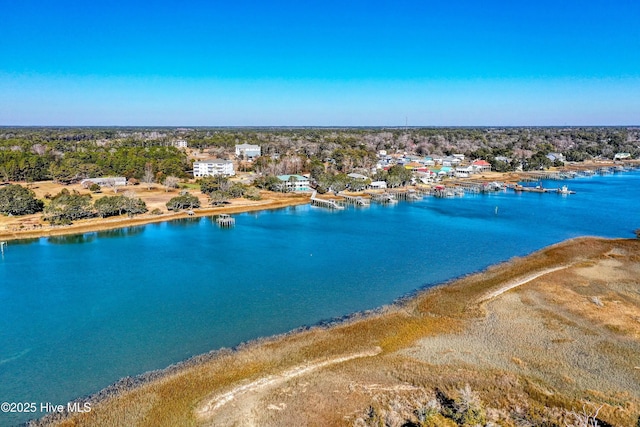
(171, 182)
(586, 418)
(148, 177)
(111, 183)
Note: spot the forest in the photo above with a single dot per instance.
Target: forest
(70, 154)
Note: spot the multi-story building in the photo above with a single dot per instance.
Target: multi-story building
(213, 167)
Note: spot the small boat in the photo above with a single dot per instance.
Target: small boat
(565, 190)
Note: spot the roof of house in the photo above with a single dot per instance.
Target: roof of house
(297, 177)
(218, 161)
(481, 163)
(356, 176)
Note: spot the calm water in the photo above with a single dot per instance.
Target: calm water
(78, 313)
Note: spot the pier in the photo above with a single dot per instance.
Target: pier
(356, 200)
(384, 198)
(331, 204)
(225, 220)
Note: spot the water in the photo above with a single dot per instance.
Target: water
(78, 313)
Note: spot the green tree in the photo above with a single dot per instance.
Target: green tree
(398, 175)
(183, 201)
(271, 183)
(17, 200)
(66, 207)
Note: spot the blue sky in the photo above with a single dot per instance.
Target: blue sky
(320, 63)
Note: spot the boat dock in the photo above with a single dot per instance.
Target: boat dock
(325, 203)
(355, 200)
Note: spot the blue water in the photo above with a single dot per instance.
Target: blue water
(78, 313)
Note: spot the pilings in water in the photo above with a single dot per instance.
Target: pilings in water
(225, 220)
(384, 198)
(408, 195)
(2, 246)
(356, 200)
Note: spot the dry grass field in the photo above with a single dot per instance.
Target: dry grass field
(536, 341)
(156, 197)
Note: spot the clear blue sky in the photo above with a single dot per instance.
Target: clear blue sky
(360, 63)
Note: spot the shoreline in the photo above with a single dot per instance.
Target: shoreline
(491, 281)
(272, 201)
(106, 224)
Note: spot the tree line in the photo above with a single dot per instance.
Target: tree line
(66, 207)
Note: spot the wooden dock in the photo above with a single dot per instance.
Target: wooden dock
(384, 198)
(356, 200)
(330, 204)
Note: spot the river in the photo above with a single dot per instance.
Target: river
(79, 312)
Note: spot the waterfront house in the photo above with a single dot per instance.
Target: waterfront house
(480, 166)
(378, 185)
(622, 156)
(464, 172)
(248, 150)
(295, 182)
(213, 167)
(556, 157)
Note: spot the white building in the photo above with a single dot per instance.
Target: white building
(247, 150)
(213, 167)
(295, 182)
(378, 185)
(180, 143)
(119, 181)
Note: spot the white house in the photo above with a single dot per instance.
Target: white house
(248, 150)
(622, 156)
(378, 185)
(295, 182)
(213, 167)
(464, 172)
(480, 166)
